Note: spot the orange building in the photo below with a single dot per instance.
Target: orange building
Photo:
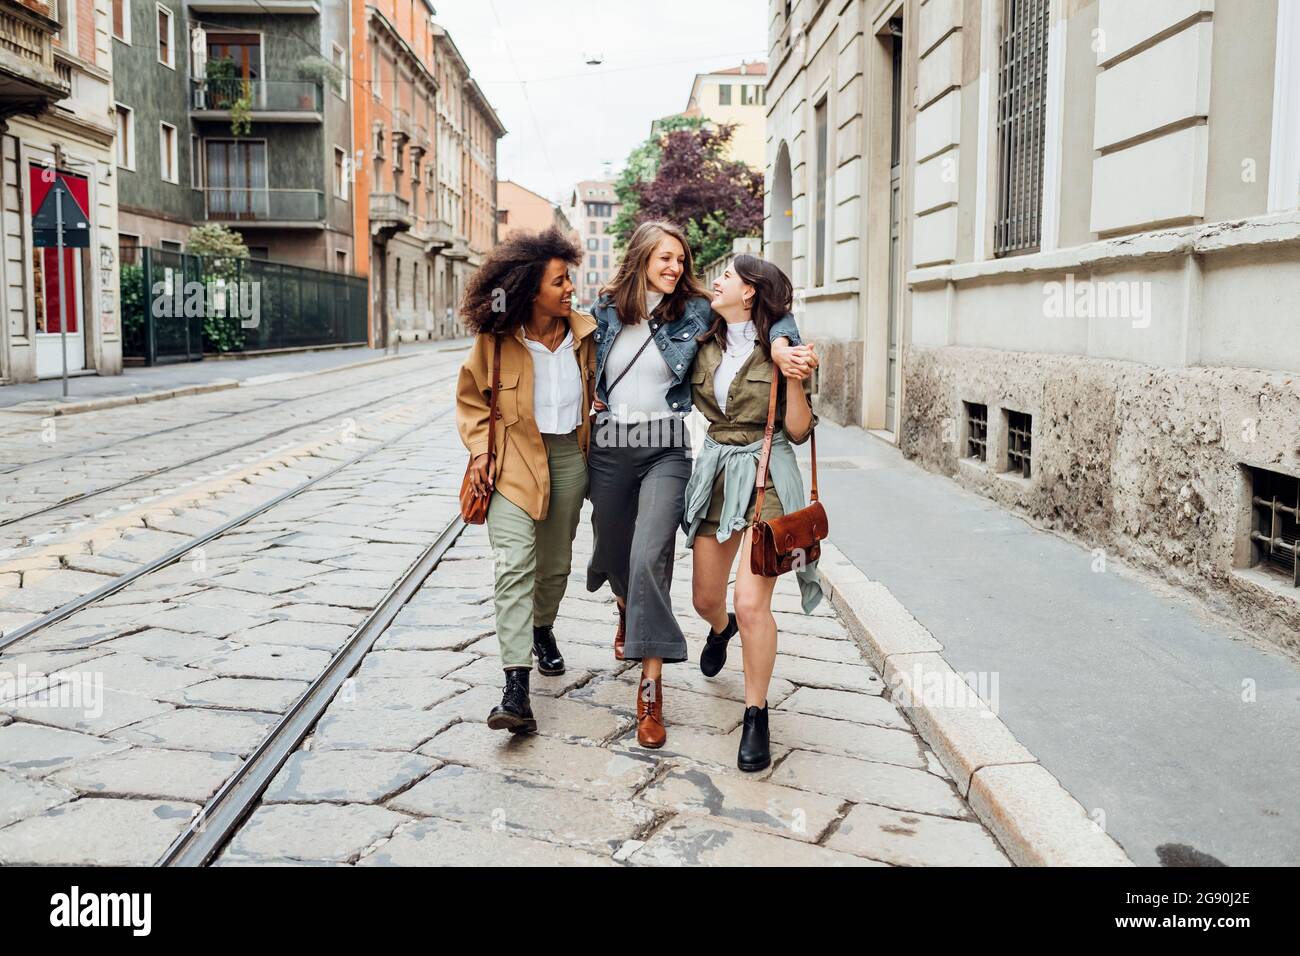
(425, 158)
(521, 209)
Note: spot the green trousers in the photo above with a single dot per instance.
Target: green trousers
(533, 558)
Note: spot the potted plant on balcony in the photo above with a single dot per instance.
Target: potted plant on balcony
(320, 71)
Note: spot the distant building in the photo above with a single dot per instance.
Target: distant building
(737, 95)
(521, 209)
(596, 208)
(56, 124)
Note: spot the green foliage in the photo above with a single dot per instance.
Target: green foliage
(321, 70)
(241, 111)
(223, 250)
(641, 166)
(711, 240)
(133, 305)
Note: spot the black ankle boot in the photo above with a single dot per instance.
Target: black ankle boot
(514, 713)
(549, 661)
(755, 751)
(714, 655)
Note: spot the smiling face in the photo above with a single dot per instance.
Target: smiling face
(555, 294)
(731, 290)
(666, 265)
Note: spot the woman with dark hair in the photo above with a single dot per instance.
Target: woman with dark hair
(522, 298)
(731, 384)
(648, 320)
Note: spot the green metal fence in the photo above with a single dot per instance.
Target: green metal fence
(176, 307)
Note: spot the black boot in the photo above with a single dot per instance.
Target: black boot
(549, 661)
(514, 712)
(714, 655)
(755, 752)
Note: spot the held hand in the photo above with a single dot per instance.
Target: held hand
(599, 406)
(795, 362)
(479, 478)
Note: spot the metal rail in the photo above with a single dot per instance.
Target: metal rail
(217, 822)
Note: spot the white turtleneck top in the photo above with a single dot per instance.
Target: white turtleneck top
(740, 343)
(643, 392)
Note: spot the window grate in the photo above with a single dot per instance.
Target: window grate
(1022, 121)
(977, 431)
(1019, 448)
(1275, 525)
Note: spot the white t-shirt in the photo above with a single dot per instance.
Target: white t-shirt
(557, 386)
(643, 391)
(740, 343)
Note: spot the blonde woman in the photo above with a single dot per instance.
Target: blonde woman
(732, 385)
(523, 297)
(647, 322)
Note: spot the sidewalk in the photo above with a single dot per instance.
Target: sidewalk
(135, 381)
(1123, 689)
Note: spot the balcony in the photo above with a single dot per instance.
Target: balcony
(389, 215)
(271, 101)
(266, 208)
(437, 235)
(300, 7)
(29, 80)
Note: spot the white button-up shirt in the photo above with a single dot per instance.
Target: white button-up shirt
(557, 386)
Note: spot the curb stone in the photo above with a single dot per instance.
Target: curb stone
(1035, 819)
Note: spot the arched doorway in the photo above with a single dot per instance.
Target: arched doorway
(781, 222)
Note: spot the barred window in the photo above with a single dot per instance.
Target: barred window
(1275, 522)
(1020, 428)
(1022, 114)
(977, 431)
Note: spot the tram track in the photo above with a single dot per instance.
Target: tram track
(230, 449)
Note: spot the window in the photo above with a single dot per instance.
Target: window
(122, 20)
(604, 245)
(591, 260)
(503, 216)
(591, 228)
(724, 94)
(128, 249)
(236, 179)
(592, 244)
(1275, 522)
(1022, 115)
(340, 173)
(166, 51)
(605, 262)
(196, 164)
(340, 86)
(125, 136)
(977, 431)
(1019, 447)
(819, 252)
(259, 252)
(748, 94)
(167, 152)
(169, 245)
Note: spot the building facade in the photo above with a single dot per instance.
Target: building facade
(235, 111)
(56, 96)
(519, 209)
(594, 208)
(1049, 248)
(737, 95)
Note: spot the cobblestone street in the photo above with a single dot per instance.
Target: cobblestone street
(123, 716)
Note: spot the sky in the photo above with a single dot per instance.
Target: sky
(569, 121)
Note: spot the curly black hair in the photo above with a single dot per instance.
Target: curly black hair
(499, 295)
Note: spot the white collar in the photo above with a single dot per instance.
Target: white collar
(652, 300)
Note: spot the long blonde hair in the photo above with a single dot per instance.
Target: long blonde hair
(628, 288)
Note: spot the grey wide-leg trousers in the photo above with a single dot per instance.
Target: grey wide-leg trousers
(637, 491)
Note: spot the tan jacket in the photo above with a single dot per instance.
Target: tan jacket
(521, 473)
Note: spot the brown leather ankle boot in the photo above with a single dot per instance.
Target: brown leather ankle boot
(619, 635)
(650, 714)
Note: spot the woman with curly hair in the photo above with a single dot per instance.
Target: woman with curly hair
(522, 298)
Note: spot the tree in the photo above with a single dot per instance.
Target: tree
(641, 166)
(714, 198)
(222, 250)
(214, 239)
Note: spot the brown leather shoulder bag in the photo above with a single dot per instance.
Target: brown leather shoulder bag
(474, 507)
(791, 541)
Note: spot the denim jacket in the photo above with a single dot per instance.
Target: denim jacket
(676, 342)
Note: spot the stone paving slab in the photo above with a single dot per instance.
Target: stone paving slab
(34, 751)
(860, 780)
(193, 728)
(914, 839)
(147, 772)
(346, 776)
(435, 842)
(96, 832)
(706, 841)
(20, 797)
(520, 806)
(323, 831)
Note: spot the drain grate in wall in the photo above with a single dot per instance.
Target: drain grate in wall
(977, 431)
(1275, 524)
(1019, 448)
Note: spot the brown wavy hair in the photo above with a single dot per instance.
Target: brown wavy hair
(773, 299)
(627, 290)
(511, 276)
